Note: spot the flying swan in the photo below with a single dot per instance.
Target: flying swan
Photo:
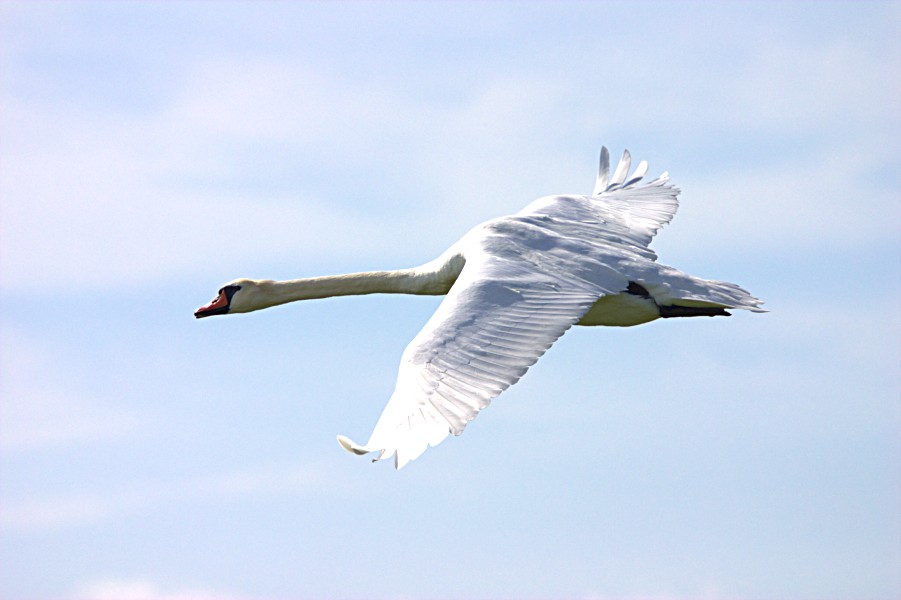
(514, 285)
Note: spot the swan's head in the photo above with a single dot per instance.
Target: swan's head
(239, 296)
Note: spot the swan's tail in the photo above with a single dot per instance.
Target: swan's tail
(673, 289)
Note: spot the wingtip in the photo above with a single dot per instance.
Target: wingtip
(622, 169)
(352, 447)
(603, 172)
(355, 448)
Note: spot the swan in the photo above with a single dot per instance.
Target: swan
(513, 286)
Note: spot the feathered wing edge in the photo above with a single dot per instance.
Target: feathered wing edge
(632, 210)
(443, 385)
(605, 183)
(504, 311)
(643, 210)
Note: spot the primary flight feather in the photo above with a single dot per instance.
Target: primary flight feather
(514, 285)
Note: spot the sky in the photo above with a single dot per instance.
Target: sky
(152, 151)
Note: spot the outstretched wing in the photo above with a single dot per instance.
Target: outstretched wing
(522, 287)
(527, 279)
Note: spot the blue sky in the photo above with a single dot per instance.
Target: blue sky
(150, 152)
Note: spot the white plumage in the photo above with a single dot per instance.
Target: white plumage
(514, 285)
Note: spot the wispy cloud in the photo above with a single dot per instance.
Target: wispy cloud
(709, 593)
(135, 198)
(139, 589)
(827, 199)
(41, 410)
(89, 507)
(144, 144)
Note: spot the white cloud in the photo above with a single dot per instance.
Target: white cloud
(98, 197)
(793, 87)
(85, 207)
(139, 589)
(757, 79)
(39, 410)
(710, 593)
(87, 507)
(821, 200)
(94, 198)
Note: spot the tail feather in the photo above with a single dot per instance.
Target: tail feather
(685, 295)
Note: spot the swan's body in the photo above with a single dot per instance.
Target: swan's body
(514, 285)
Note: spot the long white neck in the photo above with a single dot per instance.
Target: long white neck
(431, 279)
(353, 284)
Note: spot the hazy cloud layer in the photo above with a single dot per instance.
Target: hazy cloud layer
(151, 152)
(93, 195)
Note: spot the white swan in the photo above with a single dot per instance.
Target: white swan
(514, 285)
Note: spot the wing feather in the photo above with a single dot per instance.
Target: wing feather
(622, 169)
(504, 311)
(527, 279)
(603, 172)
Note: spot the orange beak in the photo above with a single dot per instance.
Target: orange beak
(213, 308)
